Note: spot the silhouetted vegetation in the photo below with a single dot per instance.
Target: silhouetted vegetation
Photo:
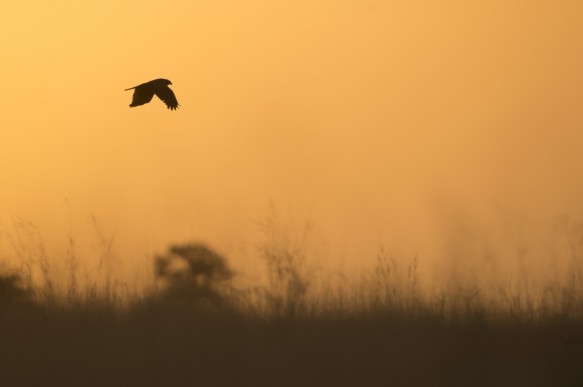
(192, 275)
(196, 328)
(12, 291)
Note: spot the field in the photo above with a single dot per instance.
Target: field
(196, 327)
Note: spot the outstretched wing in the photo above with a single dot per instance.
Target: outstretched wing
(167, 95)
(142, 95)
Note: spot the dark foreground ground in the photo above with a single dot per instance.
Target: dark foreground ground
(155, 344)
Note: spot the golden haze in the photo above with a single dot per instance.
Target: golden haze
(437, 128)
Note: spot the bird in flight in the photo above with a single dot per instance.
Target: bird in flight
(143, 93)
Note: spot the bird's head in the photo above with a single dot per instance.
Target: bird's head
(167, 82)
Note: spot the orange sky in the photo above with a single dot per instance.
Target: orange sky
(379, 121)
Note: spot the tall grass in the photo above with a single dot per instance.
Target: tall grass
(196, 327)
(292, 288)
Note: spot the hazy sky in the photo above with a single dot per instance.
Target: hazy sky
(388, 122)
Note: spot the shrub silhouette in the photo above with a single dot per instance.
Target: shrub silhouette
(192, 272)
(12, 291)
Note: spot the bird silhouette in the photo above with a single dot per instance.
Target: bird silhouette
(143, 93)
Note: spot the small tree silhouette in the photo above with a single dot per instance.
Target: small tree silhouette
(192, 272)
